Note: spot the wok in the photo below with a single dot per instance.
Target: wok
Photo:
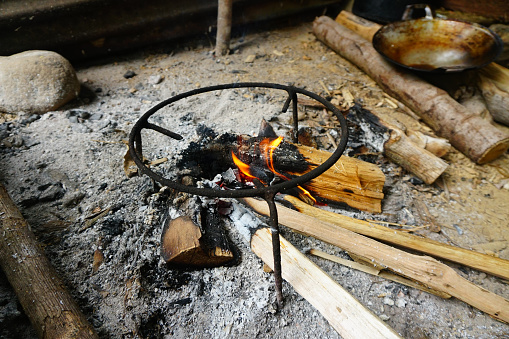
(437, 45)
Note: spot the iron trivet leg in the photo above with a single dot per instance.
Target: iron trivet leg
(276, 248)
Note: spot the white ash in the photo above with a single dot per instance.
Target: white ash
(245, 220)
(374, 140)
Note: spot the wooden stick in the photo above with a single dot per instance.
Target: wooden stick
(224, 27)
(377, 272)
(349, 317)
(423, 269)
(483, 262)
(48, 305)
(469, 133)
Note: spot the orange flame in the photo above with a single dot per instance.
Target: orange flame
(244, 168)
(267, 148)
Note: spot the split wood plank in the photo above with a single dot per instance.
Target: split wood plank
(377, 272)
(357, 183)
(423, 269)
(482, 262)
(349, 317)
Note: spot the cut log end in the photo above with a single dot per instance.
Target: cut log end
(494, 152)
(182, 245)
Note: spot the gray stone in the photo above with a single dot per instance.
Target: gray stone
(36, 82)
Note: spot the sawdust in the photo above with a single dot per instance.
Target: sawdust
(132, 294)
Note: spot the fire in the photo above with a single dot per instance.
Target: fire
(244, 168)
(267, 148)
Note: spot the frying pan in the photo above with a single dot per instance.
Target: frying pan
(437, 45)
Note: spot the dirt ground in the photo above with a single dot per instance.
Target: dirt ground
(64, 167)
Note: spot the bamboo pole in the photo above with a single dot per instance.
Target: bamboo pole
(423, 269)
(48, 305)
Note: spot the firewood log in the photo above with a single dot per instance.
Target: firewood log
(470, 134)
(401, 149)
(357, 183)
(494, 85)
(196, 238)
(48, 305)
(424, 269)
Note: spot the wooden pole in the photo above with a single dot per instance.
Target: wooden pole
(468, 132)
(48, 305)
(349, 317)
(423, 269)
(224, 26)
(483, 262)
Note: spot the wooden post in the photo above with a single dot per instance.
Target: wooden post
(48, 305)
(224, 27)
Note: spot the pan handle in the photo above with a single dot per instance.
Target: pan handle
(409, 11)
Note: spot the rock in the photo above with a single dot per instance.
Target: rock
(129, 74)
(388, 301)
(36, 82)
(155, 79)
(401, 302)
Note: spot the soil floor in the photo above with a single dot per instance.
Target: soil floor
(68, 165)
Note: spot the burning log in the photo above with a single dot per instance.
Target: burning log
(349, 317)
(469, 133)
(357, 183)
(210, 156)
(423, 269)
(48, 305)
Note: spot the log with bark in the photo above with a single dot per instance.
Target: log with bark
(469, 133)
(423, 269)
(494, 84)
(42, 294)
(493, 79)
(196, 238)
(417, 153)
(401, 149)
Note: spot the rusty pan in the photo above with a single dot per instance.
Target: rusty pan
(437, 45)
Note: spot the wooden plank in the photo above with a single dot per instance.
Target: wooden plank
(349, 317)
(483, 262)
(423, 269)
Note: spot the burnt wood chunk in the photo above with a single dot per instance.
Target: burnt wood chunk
(208, 157)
